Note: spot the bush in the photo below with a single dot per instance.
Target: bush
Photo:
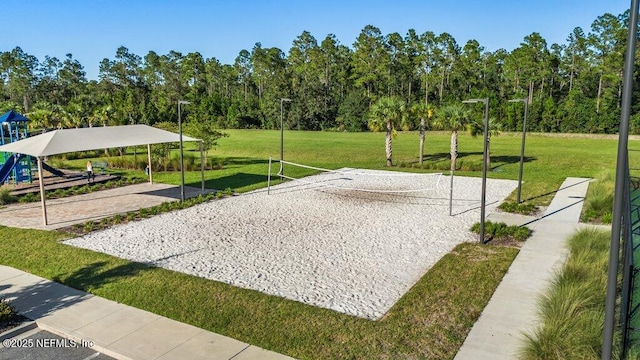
(6, 197)
(131, 216)
(30, 197)
(514, 207)
(7, 312)
(599, 201)
(88, 226)
(501, 232)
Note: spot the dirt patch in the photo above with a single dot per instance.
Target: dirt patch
(505, 241)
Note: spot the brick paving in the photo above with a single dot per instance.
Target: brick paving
(52, 182)
(79, 209)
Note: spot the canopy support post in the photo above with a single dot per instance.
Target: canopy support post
(149, 163)
(42, 195)
(202, 166)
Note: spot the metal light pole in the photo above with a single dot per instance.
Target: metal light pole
(524, 134)
(281, 172)
(619, 193)
(483, 201)
(180, 102)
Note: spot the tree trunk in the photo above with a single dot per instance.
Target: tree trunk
(573, 62)
(454, 149)
(421, 140)
(426, 88)
(388, 145)
(599, 94)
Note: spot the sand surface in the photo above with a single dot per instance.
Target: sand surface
(326, 245)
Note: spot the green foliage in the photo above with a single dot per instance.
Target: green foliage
(204, 131)
(386, 113)
(572, 311)
(88, 226)
(6, 197)
(352, 113)
(598, 205)
(500, 231)
(7, 311)
(577, 84)
(522, 208)
(251, 316)
(30, 197)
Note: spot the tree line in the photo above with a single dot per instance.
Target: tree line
(571, 87)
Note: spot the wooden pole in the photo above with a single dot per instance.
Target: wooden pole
(202, 166)
(149, 163)
(42, 194)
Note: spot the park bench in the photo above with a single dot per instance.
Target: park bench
(102, 165)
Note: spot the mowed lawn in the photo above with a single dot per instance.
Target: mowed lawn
(548, 159)
(430, 321)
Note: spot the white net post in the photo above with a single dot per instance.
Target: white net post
(451, 195)
(269, 177)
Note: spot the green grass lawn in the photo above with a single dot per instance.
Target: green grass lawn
(430, 321)
(548, 160)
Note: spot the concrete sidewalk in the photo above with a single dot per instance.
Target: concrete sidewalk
(512, 311)
(117, 330)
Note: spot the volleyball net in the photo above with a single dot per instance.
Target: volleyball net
(356, 180)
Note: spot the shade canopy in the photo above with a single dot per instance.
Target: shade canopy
(11, 116)
(84, 139)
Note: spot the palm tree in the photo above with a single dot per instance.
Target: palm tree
(452, 117)
(476, 128)
(424, 112)
(386, 114)
(40, 119)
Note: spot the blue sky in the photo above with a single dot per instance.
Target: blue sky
(93, 29)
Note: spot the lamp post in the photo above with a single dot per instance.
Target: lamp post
(483, 200)
(524, 135)
(181, 102)
(281, 172)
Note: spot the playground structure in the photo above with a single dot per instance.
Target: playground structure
(14, 168)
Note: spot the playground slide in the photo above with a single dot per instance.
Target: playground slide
(6, 169)
(50, 169)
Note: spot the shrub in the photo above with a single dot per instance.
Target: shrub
(6, 197)
(514, 207)
(571, 312)
(88, 226)
(501, 232)
(7, 312)
(117, 218)
(30, 197)
(599, 200)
